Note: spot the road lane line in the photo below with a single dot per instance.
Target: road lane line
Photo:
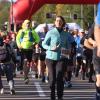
(39, 89)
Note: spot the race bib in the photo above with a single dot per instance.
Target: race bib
(65, 52)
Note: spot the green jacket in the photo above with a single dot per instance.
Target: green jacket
(25, 43)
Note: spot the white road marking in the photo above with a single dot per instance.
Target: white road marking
(39, 89)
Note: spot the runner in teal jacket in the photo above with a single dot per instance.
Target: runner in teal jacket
(55, 38)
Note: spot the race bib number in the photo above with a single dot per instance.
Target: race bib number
(65, 52)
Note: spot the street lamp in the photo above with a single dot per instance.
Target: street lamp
(81, 16)
(12, 11)
(12, 19)
(94, 11)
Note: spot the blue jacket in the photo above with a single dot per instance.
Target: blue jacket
(53, 37)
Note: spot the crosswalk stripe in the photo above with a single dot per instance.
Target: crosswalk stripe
(39, 89)
(36, 90)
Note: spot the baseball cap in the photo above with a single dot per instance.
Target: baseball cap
(81, 30)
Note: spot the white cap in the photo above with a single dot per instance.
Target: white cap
(81, 30)
(6, 23)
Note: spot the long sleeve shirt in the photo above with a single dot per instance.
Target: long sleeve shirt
(54, 38)
(97, 20)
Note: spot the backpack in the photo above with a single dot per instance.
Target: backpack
(31, 38)
(3, 52)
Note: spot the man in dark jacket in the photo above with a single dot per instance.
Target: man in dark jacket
(6, 66)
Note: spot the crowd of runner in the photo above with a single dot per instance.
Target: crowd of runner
(52, 55)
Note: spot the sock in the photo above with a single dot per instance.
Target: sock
(11, 85)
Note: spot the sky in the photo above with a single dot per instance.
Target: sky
(9, 0)
(12, 0)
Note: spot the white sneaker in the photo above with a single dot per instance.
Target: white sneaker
(65, 84)
(2, 91)
(46, 81)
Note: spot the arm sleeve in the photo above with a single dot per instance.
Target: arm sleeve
(97, 20)
(18, 38)
(36, 36)
(46, 42)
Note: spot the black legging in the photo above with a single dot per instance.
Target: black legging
(56, 73)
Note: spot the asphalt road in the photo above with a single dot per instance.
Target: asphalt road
(36, 90)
